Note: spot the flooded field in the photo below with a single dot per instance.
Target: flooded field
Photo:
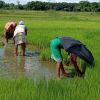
(30, 66)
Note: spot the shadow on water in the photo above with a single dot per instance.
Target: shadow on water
(28, 66)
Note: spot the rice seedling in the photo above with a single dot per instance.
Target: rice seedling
(42, 27)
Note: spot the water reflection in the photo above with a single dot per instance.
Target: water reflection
(29, 66)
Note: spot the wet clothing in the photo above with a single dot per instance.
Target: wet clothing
(19, 34)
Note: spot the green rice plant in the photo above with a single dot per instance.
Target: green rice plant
(43, 26)
(23, 89)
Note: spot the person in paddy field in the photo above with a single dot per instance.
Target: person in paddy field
(74, 48)
(20, 34)
(9, 30)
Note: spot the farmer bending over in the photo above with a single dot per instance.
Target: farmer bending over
(20, 37)
(9, 30)
(56, 45)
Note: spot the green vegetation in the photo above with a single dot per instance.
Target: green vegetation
(82, 6)
(42, 27)
(70, 89)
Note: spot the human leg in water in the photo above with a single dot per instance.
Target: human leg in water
(74, 62)
(60, 68)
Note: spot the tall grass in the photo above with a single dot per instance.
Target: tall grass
(69, 89)
(42, 27)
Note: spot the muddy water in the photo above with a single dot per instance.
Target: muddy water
(29, 66)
